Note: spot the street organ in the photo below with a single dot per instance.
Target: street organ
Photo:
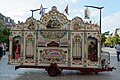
(55, 43)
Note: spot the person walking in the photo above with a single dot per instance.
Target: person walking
(1, 53)
(117, 47)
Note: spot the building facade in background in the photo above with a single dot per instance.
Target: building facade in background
(117, 31)
(7, 21)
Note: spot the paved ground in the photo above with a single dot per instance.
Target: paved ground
(7, 72)
(110, 50)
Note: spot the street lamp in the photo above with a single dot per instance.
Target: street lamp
(100, 12)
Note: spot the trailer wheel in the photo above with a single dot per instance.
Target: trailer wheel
(53, 71)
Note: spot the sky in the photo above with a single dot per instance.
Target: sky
(19, 10)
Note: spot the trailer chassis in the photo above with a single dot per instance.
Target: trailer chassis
(54, 70)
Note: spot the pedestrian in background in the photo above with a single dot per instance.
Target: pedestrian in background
(4, 44)
(117, 47)
(1, 53)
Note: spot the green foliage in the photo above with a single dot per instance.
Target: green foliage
(104, 37)
(116, 39)
(4, 34)
(112, 40)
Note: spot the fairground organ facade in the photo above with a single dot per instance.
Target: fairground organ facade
(54, 38)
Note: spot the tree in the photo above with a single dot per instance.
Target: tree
(116, 38)
(104, 37)
(4, 34)
(112, 40)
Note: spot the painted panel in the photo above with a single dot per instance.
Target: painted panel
(15, 52)
(29, 44)
(92, 49)
(50, 55)
(77, 48)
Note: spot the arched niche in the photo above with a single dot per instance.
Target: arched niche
(77, 47)
(92, 48)
(29, 46)
(16, 47)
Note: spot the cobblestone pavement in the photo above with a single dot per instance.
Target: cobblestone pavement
(7, 72)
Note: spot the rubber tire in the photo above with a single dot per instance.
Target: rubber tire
(53, 71)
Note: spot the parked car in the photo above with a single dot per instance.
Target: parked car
(111, 46)
(106, 45)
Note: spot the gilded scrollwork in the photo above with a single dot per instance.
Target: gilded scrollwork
(77, 24)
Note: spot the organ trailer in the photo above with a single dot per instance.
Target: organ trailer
(55, 43)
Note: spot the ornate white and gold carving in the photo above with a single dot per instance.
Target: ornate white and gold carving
(53, 20)
(69, 37)
(77, 24)
(77, 48)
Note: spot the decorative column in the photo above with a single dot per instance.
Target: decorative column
(22, 48)
(10, 49)
(69, 47)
